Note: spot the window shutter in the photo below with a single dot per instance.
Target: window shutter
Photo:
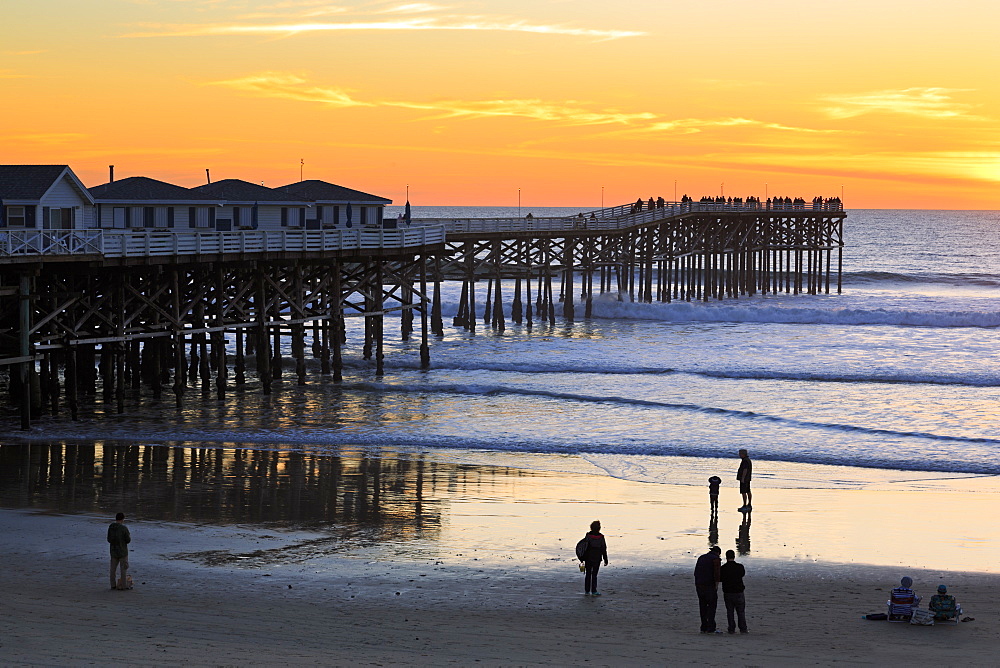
(284, 216)
(148, 217)
(211, 217)
(45, 217)
(3, 215)
(170, 216)
(29, 216)
(302, 217)
(236, 216)
(192, 217)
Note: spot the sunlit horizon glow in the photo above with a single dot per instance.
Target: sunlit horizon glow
(469, 103)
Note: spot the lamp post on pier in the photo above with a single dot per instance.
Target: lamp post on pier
(602, 197)
(518, 202)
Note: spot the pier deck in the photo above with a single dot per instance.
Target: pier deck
(144, 310)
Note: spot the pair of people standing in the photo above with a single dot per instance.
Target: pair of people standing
(708, 573)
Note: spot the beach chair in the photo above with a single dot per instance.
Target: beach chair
(901, 603)
(945, 610)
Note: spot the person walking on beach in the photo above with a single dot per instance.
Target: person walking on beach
(743, 474)
(119, 538)
(597, 550)
(706, 582)
(731, 574)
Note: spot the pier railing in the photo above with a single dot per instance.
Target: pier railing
(149, 243)
(616, 217)
(165, 242)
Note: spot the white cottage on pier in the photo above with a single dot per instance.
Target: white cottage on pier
(43, 197)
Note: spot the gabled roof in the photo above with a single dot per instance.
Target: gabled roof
(321, 191)
(236, 190)
(145, 188)
(28, 182)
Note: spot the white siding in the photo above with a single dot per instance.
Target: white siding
(62, 195)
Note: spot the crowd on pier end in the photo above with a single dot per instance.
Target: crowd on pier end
(751, 202)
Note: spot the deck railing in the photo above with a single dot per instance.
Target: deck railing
(616, 217)
(423, 232)
(150, 243)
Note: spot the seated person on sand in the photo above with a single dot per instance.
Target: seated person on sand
(902, 599)
(943, 605)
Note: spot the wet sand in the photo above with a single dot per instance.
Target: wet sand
(474, 565)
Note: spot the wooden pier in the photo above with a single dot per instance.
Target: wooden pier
(106, 311)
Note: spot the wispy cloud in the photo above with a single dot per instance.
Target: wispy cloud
(569, 113)
(306, 11)
(292, 87)
(694, 125)
(412, 8)
(926, 102)
(485, 24)
(11, 74)
(34, 52)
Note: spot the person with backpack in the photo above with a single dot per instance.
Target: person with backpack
(590, 551)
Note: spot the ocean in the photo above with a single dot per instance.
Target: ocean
(900, 373)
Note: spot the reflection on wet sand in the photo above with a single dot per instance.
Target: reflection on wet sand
(378, 498)
(713, 527)
(743, 537)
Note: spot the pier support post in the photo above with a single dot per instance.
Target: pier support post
(379, 321)
(425, 350)
(437, 324)
(335, 304)
(24, 347)
(219, 335)
(263, 347)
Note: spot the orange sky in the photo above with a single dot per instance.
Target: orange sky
(469, 101)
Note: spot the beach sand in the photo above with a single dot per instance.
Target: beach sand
(495, 582)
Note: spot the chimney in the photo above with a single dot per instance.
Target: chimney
(111, 173)
(207, 175)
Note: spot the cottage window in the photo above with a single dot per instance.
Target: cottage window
(160, 217)
(60, 219)
(120, 217)
(16, 216)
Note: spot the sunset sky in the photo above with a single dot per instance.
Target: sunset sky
(468, 101)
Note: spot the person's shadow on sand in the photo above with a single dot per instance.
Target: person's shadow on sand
(713, 527)
(743, 538)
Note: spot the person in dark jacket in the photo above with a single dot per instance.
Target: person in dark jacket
(119, 538)
(706, 582)
(597, 550)
(732, 574)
